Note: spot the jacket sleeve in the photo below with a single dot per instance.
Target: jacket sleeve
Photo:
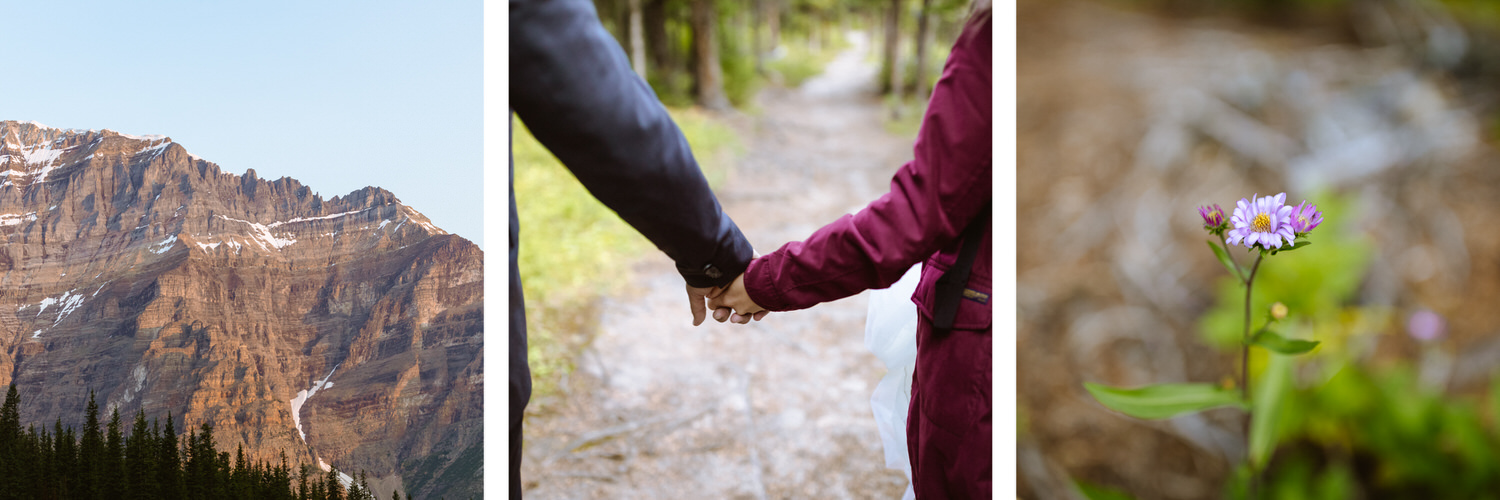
(572, 86)
(932, 199)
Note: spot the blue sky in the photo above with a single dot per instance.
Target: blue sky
(336, 94)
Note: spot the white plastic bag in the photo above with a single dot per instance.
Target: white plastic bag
(891, 333)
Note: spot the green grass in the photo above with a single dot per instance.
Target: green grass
(801, 62)
(910, 121)
(575, 250)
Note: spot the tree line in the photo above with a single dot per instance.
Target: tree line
(149, 463)
(712, 52)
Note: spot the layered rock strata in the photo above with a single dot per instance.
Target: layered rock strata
(346, 331)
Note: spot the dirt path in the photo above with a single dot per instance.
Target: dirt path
(779, 409)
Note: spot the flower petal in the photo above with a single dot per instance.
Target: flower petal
(1235, 235)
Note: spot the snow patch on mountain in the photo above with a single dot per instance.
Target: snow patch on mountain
(263, 236)
(67, 301)
(164, 245)
(306, 219)
(303, 396)
(14, 219)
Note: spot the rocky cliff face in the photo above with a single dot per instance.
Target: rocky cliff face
(345, 331)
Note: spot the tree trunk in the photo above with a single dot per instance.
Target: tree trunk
(892, 39)
(923, 33)
(708, 75)
(757, 17)
(637, 40)
(774, 21)
(655, 14)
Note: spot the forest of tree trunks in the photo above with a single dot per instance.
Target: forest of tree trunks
(715, 53)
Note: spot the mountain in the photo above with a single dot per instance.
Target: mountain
(347, 331)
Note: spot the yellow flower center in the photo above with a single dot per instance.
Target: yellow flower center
(1261, 223)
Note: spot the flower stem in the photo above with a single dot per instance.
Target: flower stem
(1245, 373)
(1238, 272)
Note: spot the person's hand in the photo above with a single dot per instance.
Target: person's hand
(735, 297)
(696, 301)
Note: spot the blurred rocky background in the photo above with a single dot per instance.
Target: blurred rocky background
(1384, 113)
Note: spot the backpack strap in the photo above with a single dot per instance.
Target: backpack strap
(950, 287)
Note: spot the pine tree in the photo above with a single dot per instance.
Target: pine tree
(283, 476)
(169, 464)
(64, 459)
(222, 474)
(199, 472)
(113, 462)
(303, 493)
(42, 467)
(335, 490)
(318, 489)
(395, 494)
(140, 460)
(364, 487)
(355, 492)
(10, 444)
(91, 454)
(239, 479)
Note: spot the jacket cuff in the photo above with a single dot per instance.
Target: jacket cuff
(713, 274)
(729, 264)
(760, 283)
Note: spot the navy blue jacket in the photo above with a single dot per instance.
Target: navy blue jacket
(573, 87)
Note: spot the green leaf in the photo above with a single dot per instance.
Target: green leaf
(1294, 246)
(1097, 492)
(1164, 400)
(1226, 261)
(1276, 343)
(1266, 412)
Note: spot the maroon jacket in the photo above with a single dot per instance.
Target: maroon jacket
(932, 199)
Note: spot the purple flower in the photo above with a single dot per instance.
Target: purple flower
(1305, 218)
(1426, 326)
(1213, 217)
(1266, 221)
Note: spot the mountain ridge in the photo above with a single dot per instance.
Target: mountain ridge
(135, 268)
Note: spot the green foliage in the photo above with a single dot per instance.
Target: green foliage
(1164, 400)
(799, 62)
(1266, 408)
(1097, 492)
(674, 89)
(574, 249)
(1316, 282)
(1270, 340)
(737, 62)
(1224, 260)
(1380, 434)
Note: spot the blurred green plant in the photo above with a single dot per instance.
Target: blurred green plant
(1369, 433)
(575, 250)
(1098, 492)
(798, 62)
(737, 62)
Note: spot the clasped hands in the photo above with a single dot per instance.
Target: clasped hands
(730, 303)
